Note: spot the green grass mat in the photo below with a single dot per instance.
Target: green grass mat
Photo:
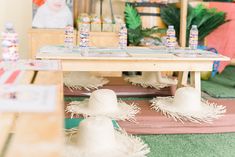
(191, 145)
(217, 90)
(222, 85)
(73, 123)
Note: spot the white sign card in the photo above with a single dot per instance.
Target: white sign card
(28, 98)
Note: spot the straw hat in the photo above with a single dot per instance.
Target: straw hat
(104, 102)
(187, 105)
(96, 137)
(79, 80)
(151, 79)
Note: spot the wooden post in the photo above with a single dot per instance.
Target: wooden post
(183, 76)
(183, 22)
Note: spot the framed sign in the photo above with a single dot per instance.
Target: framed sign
(52, 13)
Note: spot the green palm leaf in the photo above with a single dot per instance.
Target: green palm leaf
(207, 20)
(132, 17)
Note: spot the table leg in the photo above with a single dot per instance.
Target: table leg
(195, 80)
(182, 79)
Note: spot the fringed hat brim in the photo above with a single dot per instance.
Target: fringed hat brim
(125, 111)
(139, 80)
(77, 82)
(208, 113)
(127, 146)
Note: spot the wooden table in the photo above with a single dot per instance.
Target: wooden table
(34, 134)
(140, 62)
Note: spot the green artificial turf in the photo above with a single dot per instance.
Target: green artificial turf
(222, 85)
(74, 122)
(191, 145)
(217, 90)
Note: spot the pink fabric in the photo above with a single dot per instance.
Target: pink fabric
(223, 38)
(13, 77)
(9, 77)
(1, 72)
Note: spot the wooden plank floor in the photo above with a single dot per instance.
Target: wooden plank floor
(151, 122)
(7, 120)
(40, 134)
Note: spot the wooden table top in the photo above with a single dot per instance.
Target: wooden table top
(139, 54)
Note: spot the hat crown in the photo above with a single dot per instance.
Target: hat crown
(150, 76)
(96, 134)
(188, 99)
(103, 101)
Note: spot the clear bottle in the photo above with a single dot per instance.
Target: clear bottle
(193, 38)
(69, 37)
(123, 37)
(84, 31)
(10, 43)
(171, 38)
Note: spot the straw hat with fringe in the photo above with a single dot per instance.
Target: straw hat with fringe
(187, 105)
(103, 102)
(80, 80)
(151, 79)
(96, 137)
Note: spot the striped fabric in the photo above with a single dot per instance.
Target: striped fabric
(9, 77)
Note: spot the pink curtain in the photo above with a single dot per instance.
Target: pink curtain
(223, 38)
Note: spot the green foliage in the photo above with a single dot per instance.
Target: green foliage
(133, 20)
(171, 16)
(207, 20)
(134, 36)
(134, 26)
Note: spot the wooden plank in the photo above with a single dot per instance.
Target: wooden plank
(108, 74)
(182, 79)
(7, 120)
(183, 22)
(26, 78)
(152, 122)
(112, 65)
(42, 37)
(192, 78)
(156, 57)
(40, 134)
(197, 79)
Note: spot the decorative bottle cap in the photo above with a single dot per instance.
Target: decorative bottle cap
(9, 25)
(171, 27)
(194, 26)
(6, 43)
